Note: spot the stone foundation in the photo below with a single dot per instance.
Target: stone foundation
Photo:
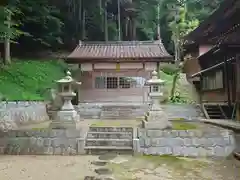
(15, 113)
(194, 143)
(131, 110)
(43, 142)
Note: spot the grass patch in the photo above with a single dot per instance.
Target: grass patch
(29, 79)
(116, 123)
(162, 159)
(183, 125)
(133, 123)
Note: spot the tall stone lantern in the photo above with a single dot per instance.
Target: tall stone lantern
(67, 116)
(156, 118)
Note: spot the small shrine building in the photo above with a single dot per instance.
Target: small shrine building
(116, 71)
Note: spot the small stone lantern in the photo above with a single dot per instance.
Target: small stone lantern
(67, 117)
(156, 118)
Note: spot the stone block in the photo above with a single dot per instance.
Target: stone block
(219, 151)
(70, 151)
(187, 142)
(183, 133)
(202, 152)
(3, 142)
(153, 133)
(81, 146)
(2, 150)
(47, 142)
(147, 142)
(60, 133)
(32, 141)
(72, 143)
(142, 132)
(164, 151)
(136, 146)
(191, 133)
(141, 142)
(176, 142)
(11, 133)
(190, 151)
(156, 142)
(232, 140)
(210, 151)
(211, 134)
(172, 133)
(229, 150)
(48, 150)
(57, 142)
(222, 141)
(40, 142)
(177, 150)
(57, 151)
(74, 133)
(198, 133)
(225, 133)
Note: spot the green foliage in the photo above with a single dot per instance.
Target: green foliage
(169, 69)
(28, 79)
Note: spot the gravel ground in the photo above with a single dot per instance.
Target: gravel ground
(124, 168)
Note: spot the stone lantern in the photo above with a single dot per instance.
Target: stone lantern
(67, 116)
(156, 118)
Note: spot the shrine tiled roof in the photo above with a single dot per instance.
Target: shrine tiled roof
(120, 51)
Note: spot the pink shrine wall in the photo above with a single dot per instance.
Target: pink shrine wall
(88, 92)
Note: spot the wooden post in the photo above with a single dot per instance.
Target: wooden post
(226, 78)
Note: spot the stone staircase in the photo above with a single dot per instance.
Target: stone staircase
(109, 139)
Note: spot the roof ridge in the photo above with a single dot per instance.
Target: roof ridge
(119, 42)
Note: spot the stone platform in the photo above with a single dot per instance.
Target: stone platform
(201, 142)
(104, 110)
(194, 143)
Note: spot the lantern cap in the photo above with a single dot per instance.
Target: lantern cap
(155, 80)
(68, 79)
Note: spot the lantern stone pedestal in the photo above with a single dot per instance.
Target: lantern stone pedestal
(156, 118)
(67, 117)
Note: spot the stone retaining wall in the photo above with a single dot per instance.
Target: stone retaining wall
(42, 142)
(97, 110)
(186, 142)
(14, 113)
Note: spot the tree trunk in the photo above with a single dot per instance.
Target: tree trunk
(119, 21)
(7, 58)
(105, 22)
(174, 83)
(84, 25)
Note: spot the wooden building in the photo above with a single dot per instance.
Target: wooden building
(212, 61)
(116, 71)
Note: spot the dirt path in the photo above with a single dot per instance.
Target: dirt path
(124, 168)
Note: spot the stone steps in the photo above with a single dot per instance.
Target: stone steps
(110, 135)
(109, 139)
(109, 142)
(111, 129)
